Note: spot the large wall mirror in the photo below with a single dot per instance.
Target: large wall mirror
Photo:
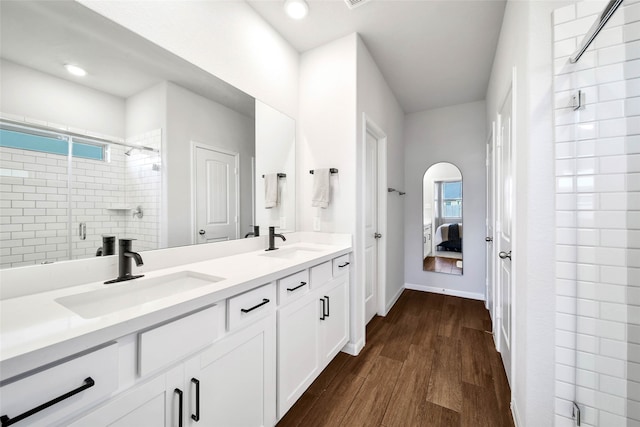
(144, 145)
(442, 219)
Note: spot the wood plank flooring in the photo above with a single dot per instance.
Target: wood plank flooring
(428, 363)
(441, 265)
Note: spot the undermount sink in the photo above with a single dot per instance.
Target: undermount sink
(292, 252)
(116, 297)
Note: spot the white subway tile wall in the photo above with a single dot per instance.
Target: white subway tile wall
(598, 218)
(35, 205)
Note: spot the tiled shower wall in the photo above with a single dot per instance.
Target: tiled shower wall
(34, 215)
(598, 217)
(143, 188)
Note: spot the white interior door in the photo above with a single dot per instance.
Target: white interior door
(490, 225)
(371, 226)
(504, 232)
(216, 193)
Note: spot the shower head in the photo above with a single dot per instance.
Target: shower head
(128, 152)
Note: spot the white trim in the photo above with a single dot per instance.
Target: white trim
(352, 348)
(515, 414)
(236, 155)
(444, 291)
(514, 228)
(392, 302)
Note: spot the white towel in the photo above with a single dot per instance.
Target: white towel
(270, 190)
(320, 197)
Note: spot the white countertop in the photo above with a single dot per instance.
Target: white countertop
(36, 330)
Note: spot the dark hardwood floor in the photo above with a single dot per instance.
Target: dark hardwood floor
(430, 362)
(441, 265)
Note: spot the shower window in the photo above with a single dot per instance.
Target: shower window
(50, 144)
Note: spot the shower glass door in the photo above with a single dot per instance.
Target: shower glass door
(597, 218)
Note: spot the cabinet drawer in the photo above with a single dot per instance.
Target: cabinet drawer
(253, 305)
(341, 265)
(173, 341)
(292, 287)
(320, 274)
(93, 376)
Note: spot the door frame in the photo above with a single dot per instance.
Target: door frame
(194, 146)
(510, 88)
(490, 212)
(369, 126)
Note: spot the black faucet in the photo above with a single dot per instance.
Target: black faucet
(255, 233)
(124, 262)
(272, 240)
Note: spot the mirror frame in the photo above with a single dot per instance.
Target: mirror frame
(430, 230)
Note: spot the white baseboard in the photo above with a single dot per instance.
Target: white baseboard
(353, 348)
(392, 302)
(516, 416)
(455, 293)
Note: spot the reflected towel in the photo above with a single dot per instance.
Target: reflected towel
(320, 198)
(270, 190)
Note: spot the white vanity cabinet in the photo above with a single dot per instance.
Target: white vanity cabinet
(145, 404)
(233, 382)
(312, 330)
(243, 360)
(44, 397)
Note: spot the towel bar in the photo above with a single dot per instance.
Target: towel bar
(332, 170)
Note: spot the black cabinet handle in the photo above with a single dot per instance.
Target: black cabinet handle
(196, 417)
(299, 286)
(328, 309)
(6, 421)
(246, 310)
(343, 265)
(180, 399)
(323, 307)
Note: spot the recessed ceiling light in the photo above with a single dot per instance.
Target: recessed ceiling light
(296, 9)
(75, 70)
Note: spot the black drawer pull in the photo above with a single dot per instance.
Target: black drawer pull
(343, 265)
(196, 417)
(6, 421)
(246, 310)
(328, 312)
(297, 287)
(180, 396)
(323, 307)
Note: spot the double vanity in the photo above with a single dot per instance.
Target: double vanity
(233, 340)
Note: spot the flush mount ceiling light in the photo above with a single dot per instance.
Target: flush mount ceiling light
(296, 9)
(75, 70)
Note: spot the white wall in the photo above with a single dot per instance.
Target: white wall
(326, 138)
(191, 117)
(225, 38)
(275, 153)
(525, 42)
(147, 110)
(457, 135)
(375, 99)
(36, 95)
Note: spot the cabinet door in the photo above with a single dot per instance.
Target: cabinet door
(236, 379)
(298, 349)
(334, 328)
(142, 406)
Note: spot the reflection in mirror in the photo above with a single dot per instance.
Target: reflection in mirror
(145, 145)
(442, 219)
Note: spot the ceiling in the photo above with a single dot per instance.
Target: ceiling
(118, 62)
(432, 53)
